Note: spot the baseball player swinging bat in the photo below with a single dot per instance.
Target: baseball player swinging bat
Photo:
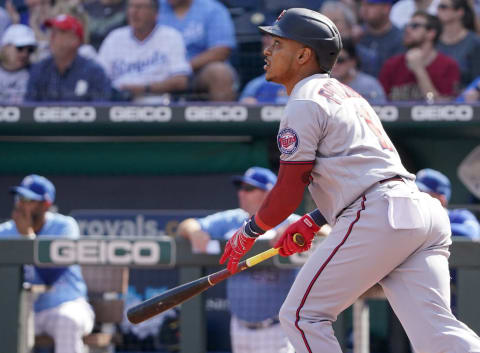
(175, 296)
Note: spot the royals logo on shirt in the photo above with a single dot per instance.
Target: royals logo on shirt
(287, 141)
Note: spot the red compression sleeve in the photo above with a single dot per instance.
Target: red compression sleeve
(286, 195)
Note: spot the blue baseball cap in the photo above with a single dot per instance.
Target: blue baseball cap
(259, 177)
(430, 180)
(35, 187)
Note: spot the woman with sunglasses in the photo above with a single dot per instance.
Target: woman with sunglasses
(459, 39)
(17, 45)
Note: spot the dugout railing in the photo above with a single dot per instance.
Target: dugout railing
(166, 252)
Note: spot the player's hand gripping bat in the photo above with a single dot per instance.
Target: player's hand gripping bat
(177, 295)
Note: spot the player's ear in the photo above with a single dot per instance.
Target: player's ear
(304, 54)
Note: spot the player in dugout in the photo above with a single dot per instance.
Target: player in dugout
(384, 230)
(61, 312)
(255, 295)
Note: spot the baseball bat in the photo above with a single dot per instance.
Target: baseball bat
(177, 295)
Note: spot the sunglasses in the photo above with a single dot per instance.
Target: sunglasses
(415, 25)
(246, 187)
(29, 48)
(445, 6)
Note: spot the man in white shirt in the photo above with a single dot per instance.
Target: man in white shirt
(145, 59)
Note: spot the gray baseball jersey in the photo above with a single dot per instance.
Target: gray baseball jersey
(347, 142)
(384, 229)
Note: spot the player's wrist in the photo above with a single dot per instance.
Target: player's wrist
(317, 219)
(252, 229)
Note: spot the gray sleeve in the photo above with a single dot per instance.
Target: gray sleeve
(301, 131)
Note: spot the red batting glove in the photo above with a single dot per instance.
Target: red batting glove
(237, 246)
(306, 227)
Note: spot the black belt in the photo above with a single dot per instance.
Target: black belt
(259, 325)
(394, 178)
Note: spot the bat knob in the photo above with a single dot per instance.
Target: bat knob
(299, 239)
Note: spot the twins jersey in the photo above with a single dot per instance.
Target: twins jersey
(67, 283)
(330, 124)
(129, 61)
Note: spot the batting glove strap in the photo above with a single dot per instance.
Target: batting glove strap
(317, 218)
(251, 229)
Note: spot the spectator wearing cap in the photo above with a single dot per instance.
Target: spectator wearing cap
(62, 311)
(17, 44)
(146, 60)
(463, 222)
(255, 295)
(379, 34)
(66, 75)
(346, 71)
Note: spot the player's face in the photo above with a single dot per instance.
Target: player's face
(250, 198)
(36, 209)
(280, 59)
(415, 32)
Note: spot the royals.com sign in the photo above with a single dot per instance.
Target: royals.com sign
(136, 251)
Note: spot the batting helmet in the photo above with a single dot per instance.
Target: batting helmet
(310, 28)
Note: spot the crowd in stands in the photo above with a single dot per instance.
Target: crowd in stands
(164, 51)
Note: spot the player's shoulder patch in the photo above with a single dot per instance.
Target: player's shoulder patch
(287, 141)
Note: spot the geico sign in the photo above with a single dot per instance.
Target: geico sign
(64, 114)
(9, 114)
(140, 114)
(116, 252)
(442, 112)
(221, 113)
(271, 113)
(387, 112)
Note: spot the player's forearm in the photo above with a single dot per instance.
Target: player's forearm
(208, 56)
(286, 195)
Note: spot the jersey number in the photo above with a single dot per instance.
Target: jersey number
(377, 129)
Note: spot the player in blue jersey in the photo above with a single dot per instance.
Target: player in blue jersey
(463, 222)
(255, 295)
(62, 311)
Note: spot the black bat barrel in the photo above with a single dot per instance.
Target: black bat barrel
(166, 300)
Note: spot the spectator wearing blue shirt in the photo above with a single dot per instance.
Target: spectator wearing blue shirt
(66, 75)
(255, 295)
(463, 222)
(209, 36)
(259, 90)
(62, 311)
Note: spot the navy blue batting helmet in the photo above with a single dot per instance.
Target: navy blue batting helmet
(310, 28)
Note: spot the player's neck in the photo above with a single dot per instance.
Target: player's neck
(301, 74)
